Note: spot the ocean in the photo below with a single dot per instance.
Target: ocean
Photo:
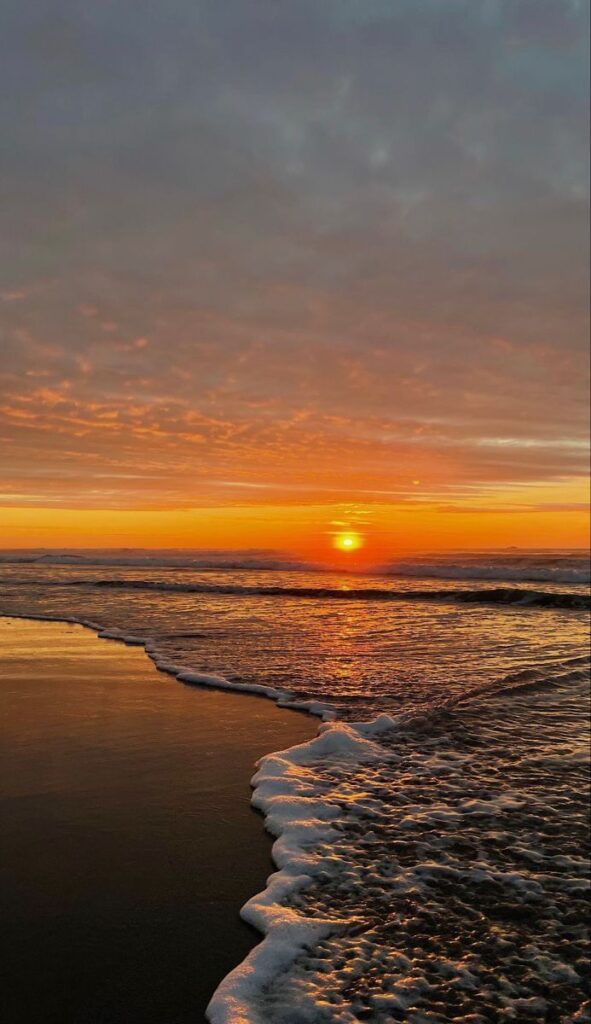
(432, 839)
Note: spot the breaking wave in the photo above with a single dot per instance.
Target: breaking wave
(525, 569)
(497, 595)
(423, 871)
(249, 560)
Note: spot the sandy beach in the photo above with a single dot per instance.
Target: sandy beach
(129, 843)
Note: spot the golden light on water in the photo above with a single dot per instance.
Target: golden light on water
(348, 541)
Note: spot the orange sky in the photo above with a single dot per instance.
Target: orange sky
(192, 469)
(268, 277)
(306, 531)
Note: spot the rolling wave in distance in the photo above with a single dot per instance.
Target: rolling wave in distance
(497, 595)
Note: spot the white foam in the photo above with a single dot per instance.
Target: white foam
(284, 698)
(286, 790)
(305, 809)
(296, 810)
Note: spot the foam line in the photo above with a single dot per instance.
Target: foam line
(296, 812)
(300, 815)
(284, 698)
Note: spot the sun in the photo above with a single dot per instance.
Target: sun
(348, 541)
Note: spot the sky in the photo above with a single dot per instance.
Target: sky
(275, 269)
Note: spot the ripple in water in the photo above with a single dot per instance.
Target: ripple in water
(433, 869)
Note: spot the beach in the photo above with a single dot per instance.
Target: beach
(128, 844)
(431, 821)
(295, 570)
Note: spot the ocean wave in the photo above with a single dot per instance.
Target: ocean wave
(522, 570)
(526, 567)
(497, 596)
(415, 812)
(301, 815)
(398, 846)
(248, 560)
(385, 814)
(537, 679)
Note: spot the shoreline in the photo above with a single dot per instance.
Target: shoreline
(336, 868)
(237, 821)
(296, 813)
(282, 698)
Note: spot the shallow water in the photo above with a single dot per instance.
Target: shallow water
(357, 654)
(432, 868)
(458, 868)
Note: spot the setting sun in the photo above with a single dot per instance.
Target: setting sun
(348, 541)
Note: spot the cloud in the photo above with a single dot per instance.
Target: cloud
(240, 233)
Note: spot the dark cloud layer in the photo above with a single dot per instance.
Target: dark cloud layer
(237, 232)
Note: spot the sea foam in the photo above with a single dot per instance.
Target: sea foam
(424, 873)
(382, 827)
(300, 813)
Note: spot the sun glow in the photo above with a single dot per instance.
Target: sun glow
(348, 541)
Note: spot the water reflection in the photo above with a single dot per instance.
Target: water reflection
(128, 842)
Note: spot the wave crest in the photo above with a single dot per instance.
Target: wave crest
(498, 595)
(525, 569)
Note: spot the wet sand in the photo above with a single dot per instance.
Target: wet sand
(128, 842)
